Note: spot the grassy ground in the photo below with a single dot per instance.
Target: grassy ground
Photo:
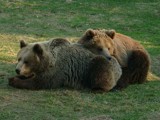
(38, 20)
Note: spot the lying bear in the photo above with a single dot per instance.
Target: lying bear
(130, 54)
(57, 63)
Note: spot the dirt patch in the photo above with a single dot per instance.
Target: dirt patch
(101, 117)
(2, 74)
(155, 67)
(154, 116)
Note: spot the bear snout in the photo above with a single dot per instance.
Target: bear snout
(109, 57)
(17, 71)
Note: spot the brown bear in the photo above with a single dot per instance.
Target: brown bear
(131, 55)
(57, 63)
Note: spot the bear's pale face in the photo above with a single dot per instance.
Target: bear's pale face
(98, 42)
(103, 44)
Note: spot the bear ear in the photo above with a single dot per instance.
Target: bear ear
(111, 33)
(90, 33)
(22, 44)
(38, 49)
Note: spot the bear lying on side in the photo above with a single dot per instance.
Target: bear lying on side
(57, 63)
(130, 54)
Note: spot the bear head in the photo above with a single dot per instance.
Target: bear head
(37, 58)
(32, 59)
(99, 42)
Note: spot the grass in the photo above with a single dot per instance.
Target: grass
(38, 20)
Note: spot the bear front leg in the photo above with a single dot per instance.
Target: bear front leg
(22, 84)
(123, 82)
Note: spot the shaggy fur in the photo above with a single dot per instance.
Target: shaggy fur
(57, 63)
(132, 56)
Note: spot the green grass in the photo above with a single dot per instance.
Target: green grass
(38, 20)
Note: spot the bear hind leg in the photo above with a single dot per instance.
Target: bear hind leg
(138, 66)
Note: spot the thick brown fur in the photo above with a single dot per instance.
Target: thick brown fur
(57, 63)
(98, 81)
(131, 55)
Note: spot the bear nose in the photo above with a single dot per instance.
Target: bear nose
(109, 58)
(17, 71)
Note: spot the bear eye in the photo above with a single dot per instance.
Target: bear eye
(26, 62)
(100, 49)
(108, 48)
(19, 59)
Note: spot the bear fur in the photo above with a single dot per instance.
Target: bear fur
(130, 54)
(57, 63)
